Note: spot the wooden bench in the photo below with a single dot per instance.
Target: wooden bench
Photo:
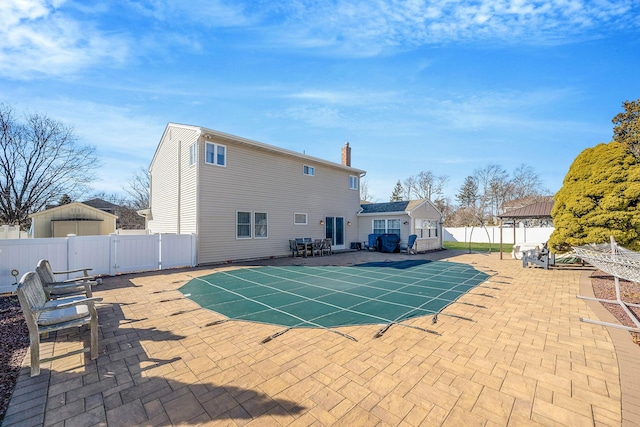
(44, 316)
(60, 288)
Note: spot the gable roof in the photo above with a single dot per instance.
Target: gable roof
(535, 210)
(210, 134)
(68, 206)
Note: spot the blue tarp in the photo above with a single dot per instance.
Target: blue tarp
(389, 243)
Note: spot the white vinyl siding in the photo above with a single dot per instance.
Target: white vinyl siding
(170, 173)
(249, 183)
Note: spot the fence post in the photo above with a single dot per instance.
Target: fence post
(113, 254)
(159, 251)
(71, 251)
(194, 254)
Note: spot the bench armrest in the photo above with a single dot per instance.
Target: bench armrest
(84, 301)
(75, 271)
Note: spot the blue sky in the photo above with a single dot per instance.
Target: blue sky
(441, 86)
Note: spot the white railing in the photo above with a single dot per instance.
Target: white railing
(535, 235)
(107, 255)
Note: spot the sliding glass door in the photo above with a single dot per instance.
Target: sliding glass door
(334, 230)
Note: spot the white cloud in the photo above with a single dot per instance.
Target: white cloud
(367, 28)
(211, 13)
(38, 38)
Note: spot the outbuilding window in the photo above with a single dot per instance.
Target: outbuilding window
(426, 229)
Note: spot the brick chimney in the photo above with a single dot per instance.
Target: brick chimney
(346, 154)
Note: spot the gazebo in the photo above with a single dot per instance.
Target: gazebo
(539, 210)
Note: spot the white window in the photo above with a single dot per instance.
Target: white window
(260, 225)
(193, 153)
(299, 218)
(216, 154)
(308, 170)
(353, 182)
(243, 225)
(426, 229)
(386, 226)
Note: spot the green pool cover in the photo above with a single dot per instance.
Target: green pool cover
(328, 297)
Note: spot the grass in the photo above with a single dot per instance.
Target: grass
(478, 247)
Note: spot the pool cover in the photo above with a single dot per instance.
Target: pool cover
(328, 297)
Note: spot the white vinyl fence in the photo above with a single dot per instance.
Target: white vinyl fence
(107, 255)
(535, 235)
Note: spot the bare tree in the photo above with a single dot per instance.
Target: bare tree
(425, 185)
(365, 196)
(138, 189)
(493, 186)
(40, 160)
(526, 183)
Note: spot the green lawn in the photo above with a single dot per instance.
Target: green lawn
(478, 247)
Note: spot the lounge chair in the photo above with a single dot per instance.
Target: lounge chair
(409, 246)
(56, 289)
(44, 316)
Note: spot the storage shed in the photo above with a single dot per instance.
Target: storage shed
(73, 218)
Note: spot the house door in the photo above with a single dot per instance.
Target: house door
(334, 230)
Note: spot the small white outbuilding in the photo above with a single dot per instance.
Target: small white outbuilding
(73, 218)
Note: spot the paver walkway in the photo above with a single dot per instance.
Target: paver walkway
(524, 359)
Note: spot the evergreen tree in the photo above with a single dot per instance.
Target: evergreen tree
(468, 193)
(64, 200)
(600, 197)
(398, 191)
(627, 126)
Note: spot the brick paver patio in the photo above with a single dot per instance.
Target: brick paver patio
(524, 359)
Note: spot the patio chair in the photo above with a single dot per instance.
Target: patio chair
(44, 316)
(57, 289)
(409, 246)
(326, 247)
(316, 247)
(540, 257)
(296, 249)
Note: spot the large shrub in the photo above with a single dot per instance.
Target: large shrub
(599, 198)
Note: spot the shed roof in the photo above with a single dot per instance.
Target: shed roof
(535, 210)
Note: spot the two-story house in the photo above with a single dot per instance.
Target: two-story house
(245, 199)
